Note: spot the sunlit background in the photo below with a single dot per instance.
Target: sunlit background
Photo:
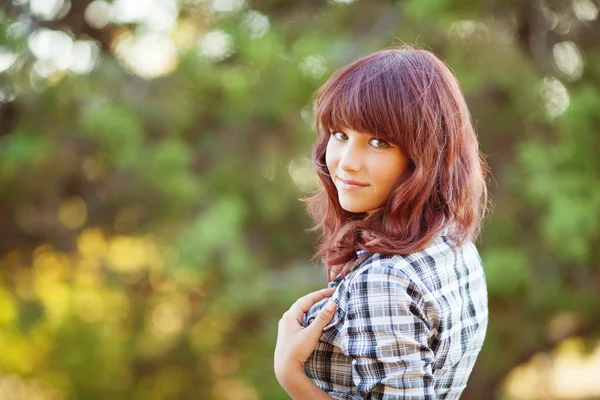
(152, 153)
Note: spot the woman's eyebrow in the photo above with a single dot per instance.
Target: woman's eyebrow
(346, 130)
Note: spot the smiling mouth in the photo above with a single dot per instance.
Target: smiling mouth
(350, 185)
(351, 182)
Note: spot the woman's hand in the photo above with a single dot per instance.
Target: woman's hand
(296, 343)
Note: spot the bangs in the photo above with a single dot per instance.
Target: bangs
(367, 98)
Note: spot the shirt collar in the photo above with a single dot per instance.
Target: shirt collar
(362, 255)
(361, 252)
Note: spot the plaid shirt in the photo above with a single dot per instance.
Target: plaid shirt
(406, 327)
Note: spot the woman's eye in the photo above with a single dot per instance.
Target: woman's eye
(340, 135)
(380, 144)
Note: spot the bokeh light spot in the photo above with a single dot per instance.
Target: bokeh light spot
(129, 254)
(98, 14)
(469, 32)
(256, 24)
(555, 96)
(568, 59)
(149, 56)
(216, 45)
(7, 58)
(91, 243)
(227, 6)
(73, 212)
(314, 66)
(302, 173)
(585, 10)
(49, 9)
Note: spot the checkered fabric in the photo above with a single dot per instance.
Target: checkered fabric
(406, 327)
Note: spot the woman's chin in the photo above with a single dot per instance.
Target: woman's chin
(354, 209)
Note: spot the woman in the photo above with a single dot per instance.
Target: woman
(402, 199)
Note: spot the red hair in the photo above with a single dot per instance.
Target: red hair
(411, 98)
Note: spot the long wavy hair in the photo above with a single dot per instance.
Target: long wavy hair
(408, 97)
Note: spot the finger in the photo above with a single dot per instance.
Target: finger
(303, 304)
(323, 318)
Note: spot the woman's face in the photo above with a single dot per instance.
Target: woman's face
(369, 166)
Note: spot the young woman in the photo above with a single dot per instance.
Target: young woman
(402, 199)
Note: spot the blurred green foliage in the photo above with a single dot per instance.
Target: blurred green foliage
(150, 231)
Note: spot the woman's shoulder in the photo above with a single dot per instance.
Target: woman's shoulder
(440, 264)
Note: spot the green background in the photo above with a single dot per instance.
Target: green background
(152, 154)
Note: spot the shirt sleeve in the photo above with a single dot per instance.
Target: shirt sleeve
(387, 337)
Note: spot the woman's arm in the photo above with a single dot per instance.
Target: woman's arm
(387, 337)
(299, 387)
(295, 344)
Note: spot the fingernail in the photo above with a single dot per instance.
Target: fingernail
(331, 305)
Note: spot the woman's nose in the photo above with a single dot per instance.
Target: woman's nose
(350, 159)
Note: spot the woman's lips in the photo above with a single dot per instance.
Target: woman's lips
(350, 185)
